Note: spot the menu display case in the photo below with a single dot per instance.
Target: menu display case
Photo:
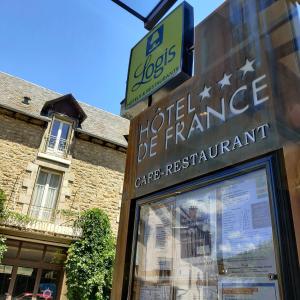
(210, 241)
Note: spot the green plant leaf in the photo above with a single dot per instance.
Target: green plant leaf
(90, 259)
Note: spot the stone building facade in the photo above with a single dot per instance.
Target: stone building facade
(58, 157)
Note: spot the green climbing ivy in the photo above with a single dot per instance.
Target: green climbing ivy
(15, 218)
(90, 259)
(3, 247)
(2, 203)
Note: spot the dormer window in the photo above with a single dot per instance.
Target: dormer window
(58, 139)
(66, 114)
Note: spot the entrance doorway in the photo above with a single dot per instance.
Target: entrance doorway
(31, 271)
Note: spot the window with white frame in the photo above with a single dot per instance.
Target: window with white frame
(58, 139)
(45, 195)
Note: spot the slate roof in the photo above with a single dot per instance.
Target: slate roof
(99, 123)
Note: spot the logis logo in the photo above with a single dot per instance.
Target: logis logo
(155, 40)
(153, 68)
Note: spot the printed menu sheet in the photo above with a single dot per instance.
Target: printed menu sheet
(155, 292)
(245, 240)
(248, 290)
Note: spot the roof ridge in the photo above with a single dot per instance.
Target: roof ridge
(98, 108)
(37, 85)
(47, 89)
(100, 123)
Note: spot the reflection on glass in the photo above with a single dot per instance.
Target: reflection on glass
(295, 8)
(245, 239)
(64, 131)
(195, 234)
(58, 137)
(54, 133)
(55, 128)
(24, 284)
(198, 244)
(45, 196)
(5, 276)
(195, 245)
(55, 255)
(49, 284)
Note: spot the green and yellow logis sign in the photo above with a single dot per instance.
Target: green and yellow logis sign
(162, 58)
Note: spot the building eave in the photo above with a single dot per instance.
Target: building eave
(47, 120)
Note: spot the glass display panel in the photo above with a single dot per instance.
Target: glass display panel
(207, 244)
(49, 284)
(24, 283)
(55, 255)
(5, 276)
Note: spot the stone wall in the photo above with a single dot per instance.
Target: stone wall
(19, 143)
(94, 177)
(98, 178)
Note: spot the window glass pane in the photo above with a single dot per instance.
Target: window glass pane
(24, 284)
(42, 179)
(49, 284)
(62, 143)
(30, 251)
(55, 127)
(55, 255)
(50, 200)
(37, 200)
(45, 196)
(53, 135)
(38, 194)
(5, 276)
(211, 243)
(54, 181)
(65, 131)
(57, 141)
(12, 249)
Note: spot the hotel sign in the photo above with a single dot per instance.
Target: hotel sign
(215, 120)
(161, 58)
(235, 107)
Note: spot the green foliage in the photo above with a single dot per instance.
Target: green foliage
(13, 217)
(69, 214)
(90, 259)
(2, 203)
(3, 247)
(17, 219)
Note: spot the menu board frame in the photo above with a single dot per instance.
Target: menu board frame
(284, 242)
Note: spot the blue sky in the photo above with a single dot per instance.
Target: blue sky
(75, 46)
